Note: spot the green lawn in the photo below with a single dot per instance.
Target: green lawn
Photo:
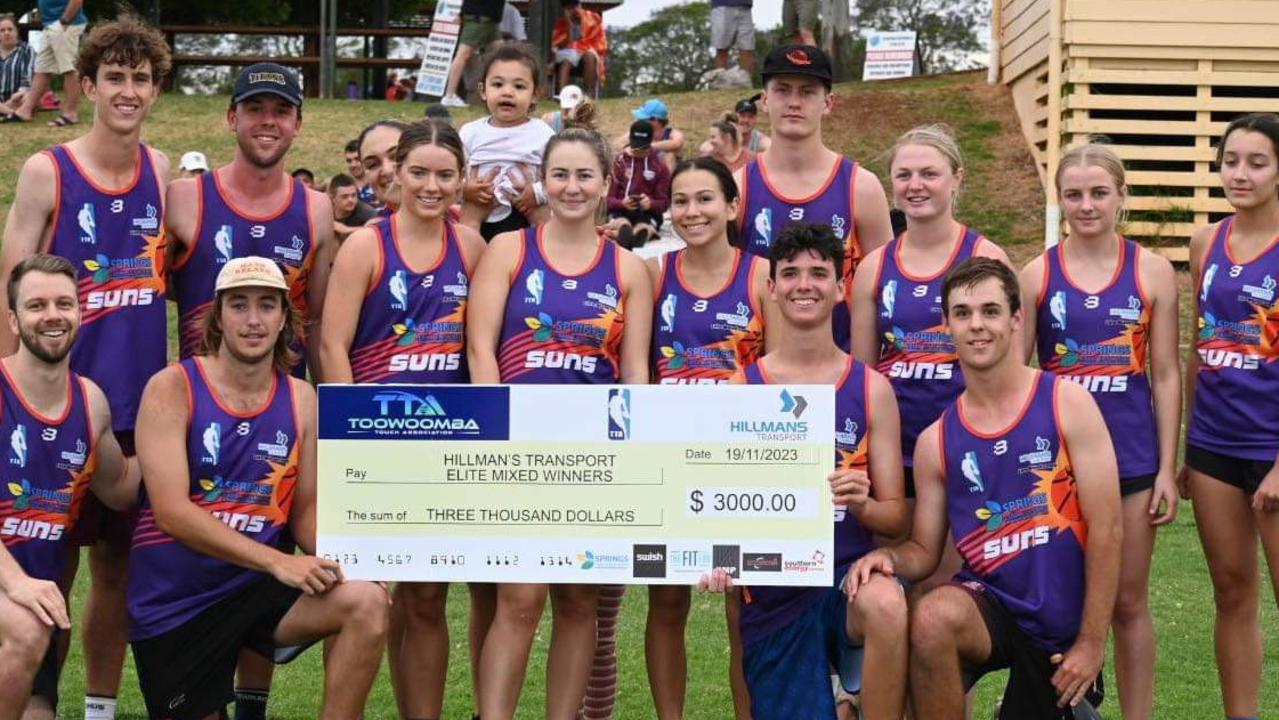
(1001, 197)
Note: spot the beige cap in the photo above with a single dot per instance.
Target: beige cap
(252, 271)
(193, 160)
(571, 96)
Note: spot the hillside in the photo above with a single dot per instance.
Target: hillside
(1001, 196)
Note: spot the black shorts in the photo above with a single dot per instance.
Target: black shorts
(46, 680)
(97, 522)
(1030, 692)
(908, 474)
(188, 673)
(1135, 484)
(638, 216)
(514, 221)
(1242, 473)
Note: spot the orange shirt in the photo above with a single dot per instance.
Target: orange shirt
(593, 38)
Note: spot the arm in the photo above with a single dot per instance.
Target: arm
(637, 308)
(27, 228)
(352, 271)
(1199, 243)
(41, 597)
(671, 145)
(1031, 280)
(1097, 484)
(161, 437)
(661, 197)
(768, 309)
(115, 479)
(180, 227)
(870, 217)
(865, 337)
(1160, 281)
(884, 512)
(917, 557)
(487, 304)
(73, 9)
(318, 282)
(616, 199)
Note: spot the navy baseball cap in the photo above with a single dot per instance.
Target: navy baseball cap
(263, 78)
(797, 60)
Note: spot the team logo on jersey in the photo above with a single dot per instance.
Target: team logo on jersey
(1000, 447)
(1129, 314)
(796, 214)
(148, 223)
(1209, 274)
(278, 450)
(243, 428)
(668, 312)
(543, 326)
(223, 243)
(293, 252)
(888, 299)
(1057, 308)
(919, 291)
(211, 438)
(1041, 458)
(740, 318)
(837, 223)
(398, 286)
(675, 354)
(619, 414)
(607, 299)
(257, 232)
(18, 446)
(73, 460)
(535, 286)
(1264, 293)
(49, 434)
(87, 219)
(25, 495)
(117, 206)
(568, 284)
(764, 226)
(848, 436)
(972, 472)
(459, 290)
(1092, 302)
(701, 305)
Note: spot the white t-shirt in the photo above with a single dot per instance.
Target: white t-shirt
(505, 148)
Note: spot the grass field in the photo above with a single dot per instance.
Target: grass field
(1001, 197)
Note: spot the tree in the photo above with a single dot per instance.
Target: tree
(669, 52)
(945, 30)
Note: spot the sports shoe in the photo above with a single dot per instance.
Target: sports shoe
(452, 101)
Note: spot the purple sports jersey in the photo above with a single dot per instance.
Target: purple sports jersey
(765, 212)
(705, 339)
(1014, 515)
(768, 609)
(224, 232)
(1099, 340)
(412, 323)
(1234, 411)
(114, 239)
(46, 474)
(916, 351)
(561, 328)
(242, 469)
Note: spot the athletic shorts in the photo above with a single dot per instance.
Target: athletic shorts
(59, 49)
(1030, 692)
(188, 673)
(732, 27)
(46, 680)
(99, 522)
(1240, 472)
(788, 671)
(514, 221)
(568, 55)
(638, 217)
(797, 14)
(1135, 484)
(477, 31)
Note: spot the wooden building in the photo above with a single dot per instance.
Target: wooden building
(1159, 79)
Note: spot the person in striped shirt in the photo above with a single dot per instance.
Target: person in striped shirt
(16, 61)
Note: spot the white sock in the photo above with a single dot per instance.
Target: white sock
(97, 707)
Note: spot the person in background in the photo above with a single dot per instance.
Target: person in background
(667, 141)
(579, 42)
(436, 111)
(480, 19)
(355, 168)
(64, 22)
(193, 163)
(350, 213)
(570, 97)
(306, 176)
(747, 117)
(733, 27)
(16, 62)
(725, 145)
(512, 25)
(640, 190)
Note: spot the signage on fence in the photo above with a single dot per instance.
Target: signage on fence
(437, 49)
(889, 55)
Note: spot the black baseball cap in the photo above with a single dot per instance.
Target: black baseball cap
(641, 134)
(797, 60)
(267, 77)
(747, 105)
